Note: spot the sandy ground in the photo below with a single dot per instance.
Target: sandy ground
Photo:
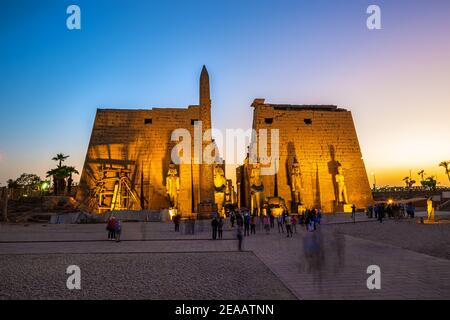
(154, 262)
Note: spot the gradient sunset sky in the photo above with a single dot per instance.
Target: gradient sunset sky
(143, 54)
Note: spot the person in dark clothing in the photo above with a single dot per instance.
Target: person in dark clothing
(380, 213)
(272, 221)
(176, 221)
(239, 219)
(313, 218)
(214, 225)
(118, 230)
(232, 218)
(253, 225)
(307, 219)
(246, 224)
(288, 222)
(111, 228)
(354, 213)
(280, 221)
(240, 236)
(220, 227)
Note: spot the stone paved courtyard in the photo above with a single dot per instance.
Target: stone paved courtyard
(154, 262)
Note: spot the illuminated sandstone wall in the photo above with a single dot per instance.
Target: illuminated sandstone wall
(319, 136)
(140, 141)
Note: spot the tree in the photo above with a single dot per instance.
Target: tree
(69, 171)
(12, 184)
(446, 166)
(421, 173)
(27, 182)
(409, 182)
(60, 174)
(430, 183)
(406, 179)
(60, 157)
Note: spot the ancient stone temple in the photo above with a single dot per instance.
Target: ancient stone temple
(129, 157)
(319, 163)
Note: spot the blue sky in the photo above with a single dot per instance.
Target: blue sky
(143, 54)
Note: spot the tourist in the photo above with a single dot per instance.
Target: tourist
(287, 221)
(267, 221)
(319, 216)
(294, 223)
(389, 210)
(253, 225)
(301, 218)
(410, 210)
(280, 223)
(239, 236)
(247, 224)
(220, 227)
(214, 225)
(272, 220)
(380, 213)
(239, 219)
(110, 226)
(354, 212)
(118, 229)
(176, 221)
(313, 219)
(307, 217)
(232, 218)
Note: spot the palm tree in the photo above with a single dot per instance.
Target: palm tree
(61, 157)
(409, 182)
(430, 183)
(446, 166)
(68, 172)
(58, 179)
(421, 173)
(406, 179)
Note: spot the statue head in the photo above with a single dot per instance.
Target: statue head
(172, 170)
(219, 176)
(218, 170)
(256, 168)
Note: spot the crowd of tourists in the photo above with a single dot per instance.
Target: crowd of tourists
(245, 224)
(380, 211)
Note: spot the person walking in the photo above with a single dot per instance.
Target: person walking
(280, 223)
(232, 218)
(214, 225)
(246, 224)
(118, 229)
(239, 219)
(176, 221)
(220, 227)
(272, 220)
(294, 223)
(267, 221)
(287, 221)
(253, 225)
(240, 236)
(313, 219)
(354, 213)
(110, 227)
(380, 213)
(307, 217)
